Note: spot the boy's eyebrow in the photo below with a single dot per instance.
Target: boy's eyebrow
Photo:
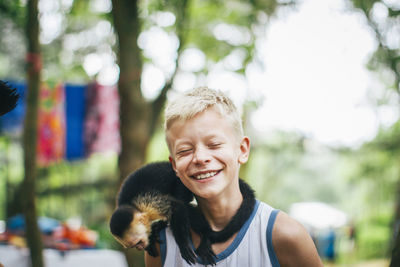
(209, 137)
(214, 136)
(179, 144)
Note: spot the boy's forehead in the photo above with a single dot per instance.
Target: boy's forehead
(182, 130)
(202, 117)
(187, 116)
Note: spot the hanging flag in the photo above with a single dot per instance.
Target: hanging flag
(12, 122)
(75, 97)
(102, 119)
(74, 120)
(51, 124)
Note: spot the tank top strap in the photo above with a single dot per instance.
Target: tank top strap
(252, 245)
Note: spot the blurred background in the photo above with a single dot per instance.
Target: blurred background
(317, 83)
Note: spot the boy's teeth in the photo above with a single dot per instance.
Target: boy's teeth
(205, 175)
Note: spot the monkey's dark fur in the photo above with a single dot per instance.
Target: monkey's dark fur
(8, 98)
(156, 185)
(200, 225)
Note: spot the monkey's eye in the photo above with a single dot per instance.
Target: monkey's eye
(135, 208)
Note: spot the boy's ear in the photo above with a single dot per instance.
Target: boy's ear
(244, 150)
(172, 162)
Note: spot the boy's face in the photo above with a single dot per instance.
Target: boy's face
(206, 153)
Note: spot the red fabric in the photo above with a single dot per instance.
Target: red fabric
(102, 119)
(36, 60)
(51, 127)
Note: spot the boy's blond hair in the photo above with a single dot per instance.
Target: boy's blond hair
(198, 100)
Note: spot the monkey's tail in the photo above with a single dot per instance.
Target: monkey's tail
(180, 226)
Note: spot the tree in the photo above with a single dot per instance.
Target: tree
(384, 19)
(137, 116)
(133, 109)
(33, 234)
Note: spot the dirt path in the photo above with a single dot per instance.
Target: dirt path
(373, 263)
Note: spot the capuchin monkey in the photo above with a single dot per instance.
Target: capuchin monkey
(153, 197)
(149, 199)
(8, 98)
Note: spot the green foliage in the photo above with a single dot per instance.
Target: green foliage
(206, 15)
(76, 34)
(157, 149)
(14, 10)
(376, 164)
(365, 5)
(387, 140)
(372, 177)
(87, 197)
(105, 239)
(377, 170)
(373, 236)
(12, 47)
(386, 57)
(289, 168)
(202, 18)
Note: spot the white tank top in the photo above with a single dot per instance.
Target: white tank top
(252, 245)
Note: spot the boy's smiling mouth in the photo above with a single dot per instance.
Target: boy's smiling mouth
(205, 175)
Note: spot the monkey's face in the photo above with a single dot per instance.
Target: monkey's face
(136, 236)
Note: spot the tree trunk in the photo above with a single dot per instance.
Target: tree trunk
(33, 235)
(134, 111)
(395, 240)
(138, 118)
(395, 261)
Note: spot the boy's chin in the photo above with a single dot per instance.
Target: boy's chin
(208, 191)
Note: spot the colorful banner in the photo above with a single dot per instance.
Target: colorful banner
(74, 121)
(75, 101)
(102, 119)
(51, 125)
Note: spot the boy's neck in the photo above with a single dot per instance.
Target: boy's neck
(219, 210)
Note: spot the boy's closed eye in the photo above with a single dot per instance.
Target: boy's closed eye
(214, 145)
(184, 151)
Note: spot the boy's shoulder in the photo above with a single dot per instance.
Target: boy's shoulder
(292, 243)
(287, 230)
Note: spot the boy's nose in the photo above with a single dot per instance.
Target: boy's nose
(201, 156)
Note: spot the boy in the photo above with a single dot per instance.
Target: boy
(205, 138)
